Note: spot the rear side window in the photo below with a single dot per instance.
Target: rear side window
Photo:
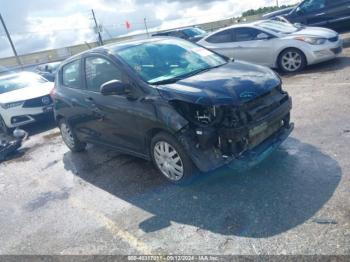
(246, 34)
(71, 75)
(221, 37)
(99, 71)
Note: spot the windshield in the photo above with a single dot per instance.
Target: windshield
(14, 82)
(279, 27)
(192, 32)
(169, 60)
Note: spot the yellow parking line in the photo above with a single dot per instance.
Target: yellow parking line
(113, 228)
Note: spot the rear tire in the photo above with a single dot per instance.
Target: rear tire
(171, 159)
(292, 60)
(69, 137)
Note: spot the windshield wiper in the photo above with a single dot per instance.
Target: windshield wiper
(181, 77)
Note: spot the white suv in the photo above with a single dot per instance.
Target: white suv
(24, 98)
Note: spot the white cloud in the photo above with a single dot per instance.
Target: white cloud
(44, 24)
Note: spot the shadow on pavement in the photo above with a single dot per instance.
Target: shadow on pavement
(280, 194)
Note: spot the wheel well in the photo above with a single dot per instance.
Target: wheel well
(152, 133)
(279, 55)
(58, 118)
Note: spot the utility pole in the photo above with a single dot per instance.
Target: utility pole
(97, 28)
(146, 26)
(277, 3)
(10, 40)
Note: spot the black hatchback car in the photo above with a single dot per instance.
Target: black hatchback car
(172, 102)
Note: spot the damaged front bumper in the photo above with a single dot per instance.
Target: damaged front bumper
(244, 147)
(255, 156)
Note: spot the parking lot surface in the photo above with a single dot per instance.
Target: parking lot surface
(100, 202)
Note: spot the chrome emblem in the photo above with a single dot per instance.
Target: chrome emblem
(45, 100)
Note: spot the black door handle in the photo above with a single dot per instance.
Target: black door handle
(89, 99)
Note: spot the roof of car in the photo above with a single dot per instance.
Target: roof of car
(117, 46)
(174, 30)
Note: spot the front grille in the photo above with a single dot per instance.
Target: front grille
(333, 39)
(38, 102)
(261, 107)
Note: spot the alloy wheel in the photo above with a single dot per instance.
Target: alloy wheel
(168, 161)
(291, 61)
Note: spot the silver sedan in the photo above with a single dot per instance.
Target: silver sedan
(276, 44)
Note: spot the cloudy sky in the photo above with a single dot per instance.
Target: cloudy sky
(45, 24)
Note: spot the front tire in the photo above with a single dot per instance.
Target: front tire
(171, 159)
(292, 60)
(69, 138)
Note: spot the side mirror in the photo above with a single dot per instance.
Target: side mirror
(262, 36)
(114, 87)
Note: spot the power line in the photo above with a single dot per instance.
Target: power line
(98, 30)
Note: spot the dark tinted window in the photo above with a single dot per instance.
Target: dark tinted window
(71, 74)
(313, 5)
(221, 37)
(337, 2)
(99, 71)
(246, 34)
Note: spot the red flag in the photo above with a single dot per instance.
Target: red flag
(127, 25)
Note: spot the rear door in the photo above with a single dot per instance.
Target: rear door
(222, 43)
(71, 99)
(249, 48)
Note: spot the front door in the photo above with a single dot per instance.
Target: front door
(313, 13)
(116, 116)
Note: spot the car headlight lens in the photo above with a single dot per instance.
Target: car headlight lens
(312, 40)
(11, 105)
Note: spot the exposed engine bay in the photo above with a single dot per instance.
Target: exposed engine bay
(229, 131)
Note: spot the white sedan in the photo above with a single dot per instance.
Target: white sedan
(24, 98)
(276, 44)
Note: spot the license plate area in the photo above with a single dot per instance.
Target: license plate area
(47, 109)
(260, 133)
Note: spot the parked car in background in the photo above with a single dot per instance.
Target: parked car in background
(333, 14)
(192, 34)
(48, 71)
(276, 44)
(173, 102)
(24, 98)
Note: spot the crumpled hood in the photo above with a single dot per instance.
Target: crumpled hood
(316, 31)
(26, 93)
(232, 84)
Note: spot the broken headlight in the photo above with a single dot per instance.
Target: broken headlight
(199, 115)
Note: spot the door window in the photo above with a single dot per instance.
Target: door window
(99, 71)
(221, 37)
(71, 75)
(246, 34)
(310, 6)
